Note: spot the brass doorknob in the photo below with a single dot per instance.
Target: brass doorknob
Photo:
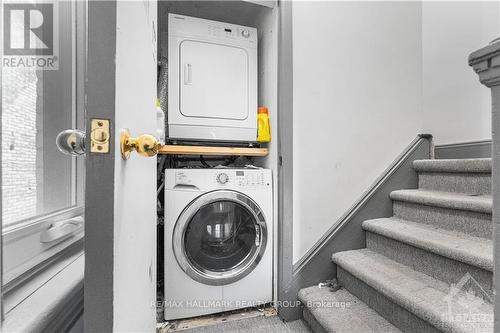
(145, 145)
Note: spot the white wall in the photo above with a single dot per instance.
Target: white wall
(457, 108)
(357, 104)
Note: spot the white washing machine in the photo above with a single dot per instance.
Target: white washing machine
(212, 80)
(218, 240)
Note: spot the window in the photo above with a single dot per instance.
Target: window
(42, 189)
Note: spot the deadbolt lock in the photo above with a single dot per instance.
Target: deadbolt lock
(99, 136)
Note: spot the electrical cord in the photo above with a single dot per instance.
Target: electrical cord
(205, 164)
(229, 161)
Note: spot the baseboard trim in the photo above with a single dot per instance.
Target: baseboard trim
(346, 234)
(472, 149)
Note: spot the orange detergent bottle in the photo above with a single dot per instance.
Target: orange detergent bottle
(263, 125)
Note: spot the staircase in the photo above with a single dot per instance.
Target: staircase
(428, 268)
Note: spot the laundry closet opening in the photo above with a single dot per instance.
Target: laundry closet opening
(217, 215)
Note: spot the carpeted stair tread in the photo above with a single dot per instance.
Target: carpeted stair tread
(471, 250)
(425, 297)
(459, 201)
(341, 311)
(474, 165)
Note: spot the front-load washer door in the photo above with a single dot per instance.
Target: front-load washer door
(214, 81)
(220, 237)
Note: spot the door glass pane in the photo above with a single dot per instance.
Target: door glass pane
(220, 236)
(39, 99)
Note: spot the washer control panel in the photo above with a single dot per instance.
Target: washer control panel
(210, 179)
(242, 178)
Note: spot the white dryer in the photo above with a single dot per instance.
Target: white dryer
(218, 240)
(212, 80)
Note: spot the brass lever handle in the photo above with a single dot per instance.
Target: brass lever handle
(145, 145)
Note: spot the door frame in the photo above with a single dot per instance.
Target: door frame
(287, 305)
(99, 226)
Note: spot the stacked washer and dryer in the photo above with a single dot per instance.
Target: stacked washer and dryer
(218, 221)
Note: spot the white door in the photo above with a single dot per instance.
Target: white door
(213, 80)
(120, 243)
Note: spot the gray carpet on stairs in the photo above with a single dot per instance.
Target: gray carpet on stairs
(423, 296)
(471, 184)
(436, 266)
(405, 320)
(473, 165)
(426, 269)
(471, 223)
(340, 311)
(450, 200)
(453, 245)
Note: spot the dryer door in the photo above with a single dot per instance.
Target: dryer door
(213, 81)
(220, 237)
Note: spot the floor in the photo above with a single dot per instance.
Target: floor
(243, 321)
(257, 324)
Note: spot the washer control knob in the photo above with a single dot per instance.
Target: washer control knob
(245, 33)
(222, 178)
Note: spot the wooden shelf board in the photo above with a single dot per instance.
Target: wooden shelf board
(211, 151)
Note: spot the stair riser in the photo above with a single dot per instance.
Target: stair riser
(469, 183)
(434, 265)
(471, 223)
(312, 322)
(392, 312)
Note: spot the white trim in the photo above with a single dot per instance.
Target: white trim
(16, 296)
(21, 228)
(74, 175)
(44, 305)
(15, 277)
(23, 252)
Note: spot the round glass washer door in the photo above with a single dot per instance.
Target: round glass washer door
(220, 237)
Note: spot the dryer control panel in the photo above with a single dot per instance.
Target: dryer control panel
(181, 25)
